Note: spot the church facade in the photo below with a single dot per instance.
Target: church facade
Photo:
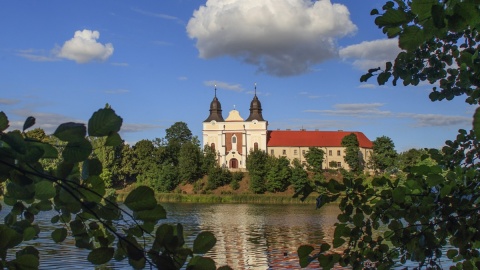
(234, 137)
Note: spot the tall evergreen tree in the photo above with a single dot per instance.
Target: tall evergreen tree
(257, 168)
(352, 153)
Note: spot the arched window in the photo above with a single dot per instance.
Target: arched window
(255, 146)
(234, 139)
(212, 146)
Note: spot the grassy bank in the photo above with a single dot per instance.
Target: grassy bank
(227, 198)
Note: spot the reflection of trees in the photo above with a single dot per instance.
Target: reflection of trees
(266, 236)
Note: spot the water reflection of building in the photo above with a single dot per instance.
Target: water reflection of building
(233, 138)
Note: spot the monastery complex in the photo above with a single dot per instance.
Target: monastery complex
(233, 138)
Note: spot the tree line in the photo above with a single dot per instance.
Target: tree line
(178, 158)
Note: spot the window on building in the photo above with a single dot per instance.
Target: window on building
(255, 146)
(212, 146)
(234, 139)
(339, 153)
(284, 151)
(330, 152)
(272, 152)
(295, 152)
(303, 152)
(339, 164)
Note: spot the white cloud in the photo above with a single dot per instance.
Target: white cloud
(280, 37)
(159, 15)
(120, 64)
(371, 110)
(47, 121)
(363, 110)
(224, 85)
(117, 91)
(6, 101)
(367, 85)
(182, 78)
(437, 120)
(126, 128)
(83, 48)
(37, 55)
(371, 54)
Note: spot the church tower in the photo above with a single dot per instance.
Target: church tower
(215, 110)
(255, 108)
(233, 138)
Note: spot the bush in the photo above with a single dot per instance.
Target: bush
(235, 184)
(218, 177)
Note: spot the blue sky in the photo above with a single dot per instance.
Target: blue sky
(156, 63)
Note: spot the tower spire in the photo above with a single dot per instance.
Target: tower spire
(215, 109)
(255, 108)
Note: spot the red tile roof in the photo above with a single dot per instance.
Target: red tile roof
(305, 138)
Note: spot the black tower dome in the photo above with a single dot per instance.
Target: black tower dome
(215, 110)
(255, 109)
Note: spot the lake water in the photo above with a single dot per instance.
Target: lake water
(249, 236)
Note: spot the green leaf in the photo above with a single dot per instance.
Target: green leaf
(423, 8)
(15, 140)
(304, 255)
(452, 253)
(476, 122)
(411, 38)
(337, 242)
(48, 150)
(58, 235)
(44, 190)
(358, 219)
(91, 167)
(26, 262)
(113, 139)
(391, 17)
(152, 214)
(64, 169)
(3, 121)
(30, 121)
(29, 233)
(141, 198)
(438, 15)
(10, 238)
(324, 247)
(201, 263)
(204, 242)
(70, 132)
(434, 179)
(101, 255)
(95, 189)
(398, 194)
(104, 122)
(77, 151)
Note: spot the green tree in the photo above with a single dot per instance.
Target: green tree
(176, 135)
(81, 205)
(124, 171)
(190, 162)
(384, 155)
(315, 157)
(432, 214)
(278, 174)
(410, 158)
(299, 178)
(209, 159)
(352, 153)
(257, 168)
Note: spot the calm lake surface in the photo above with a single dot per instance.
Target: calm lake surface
(249, 236)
